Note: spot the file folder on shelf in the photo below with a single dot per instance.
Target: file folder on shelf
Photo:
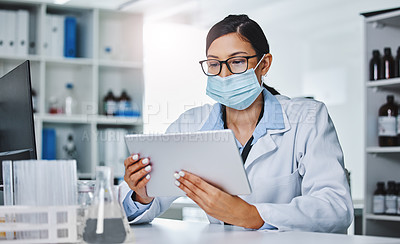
(2, 31)
(70, 37)
(47, 38)
(49, 144)
(22, 32)
(10, 35)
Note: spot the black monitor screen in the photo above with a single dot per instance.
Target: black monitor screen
(17, 133)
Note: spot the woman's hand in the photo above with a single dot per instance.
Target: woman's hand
(137, 176)
(217, 203)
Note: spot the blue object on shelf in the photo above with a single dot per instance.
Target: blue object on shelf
(127, 113)
(70, 37)
(49, 144)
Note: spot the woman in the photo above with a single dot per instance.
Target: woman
(290, 148)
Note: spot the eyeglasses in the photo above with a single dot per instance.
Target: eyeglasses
(236, 65)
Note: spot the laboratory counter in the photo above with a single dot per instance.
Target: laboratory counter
(175, 231)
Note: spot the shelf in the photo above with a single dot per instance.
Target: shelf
(120, 64)
(382, 149)
(64, 119)
(390, 18)
(110, 120)
(20, 58)
(74, 61)
(382, 217)
(389, 83)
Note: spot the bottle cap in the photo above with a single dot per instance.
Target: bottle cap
(375, 53)
(387, 51)
(390, 98)
(69, 85)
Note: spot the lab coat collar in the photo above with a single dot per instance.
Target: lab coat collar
(266, 143)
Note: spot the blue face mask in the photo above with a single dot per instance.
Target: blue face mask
(237, 91)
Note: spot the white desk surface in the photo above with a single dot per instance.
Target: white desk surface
(165, 231)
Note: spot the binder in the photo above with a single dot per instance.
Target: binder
(22, 32)
(57, 36)
(2, 31)
(33, 45)
(49, 144)
(47, 38)
(70, 37)
(10, 34)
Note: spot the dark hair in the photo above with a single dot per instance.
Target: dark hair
(247, 29)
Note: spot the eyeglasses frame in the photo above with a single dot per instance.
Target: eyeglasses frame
(227, 65)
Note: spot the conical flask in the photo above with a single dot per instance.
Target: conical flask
(106, 222)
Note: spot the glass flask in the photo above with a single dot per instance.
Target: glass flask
(106, 222)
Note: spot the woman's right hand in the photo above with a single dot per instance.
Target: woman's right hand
(137, 176)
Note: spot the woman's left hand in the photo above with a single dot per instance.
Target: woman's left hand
(217, 203)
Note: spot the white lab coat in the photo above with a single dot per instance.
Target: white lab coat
(296, 173)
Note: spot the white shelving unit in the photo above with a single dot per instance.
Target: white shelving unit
(94, 72)
(381, 163)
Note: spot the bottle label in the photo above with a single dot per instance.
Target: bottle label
(398, 205)
(379, 204)
(110, 107)
(387, 126)
(124, 106)
(376, 72)
(398, 124)
(390, 202)
(387, 75)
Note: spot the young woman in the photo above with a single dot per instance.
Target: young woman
(291, 152)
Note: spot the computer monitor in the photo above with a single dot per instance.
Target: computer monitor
(17, 130)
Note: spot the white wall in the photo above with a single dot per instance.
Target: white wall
(317, 48)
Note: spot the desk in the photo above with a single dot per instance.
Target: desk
(165, 231)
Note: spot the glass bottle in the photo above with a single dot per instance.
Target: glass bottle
(378, 206)
(54, 106)
(375, 66)
(398, 198)
(397, 64)
(106, 222)
(388, 64)
(70, 103)
(387, 131)
(391, 199)
(124, 104)
(85, 199)
(110, 104)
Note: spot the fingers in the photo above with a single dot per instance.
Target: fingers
(134, 163)
(137, 171)
(143, 181)
(192, 185)
(136, 177)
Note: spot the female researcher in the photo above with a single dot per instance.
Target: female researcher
(291, 152)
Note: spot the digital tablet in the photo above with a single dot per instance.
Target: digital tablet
(212, 155)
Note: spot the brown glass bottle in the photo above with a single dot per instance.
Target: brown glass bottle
(391, 199)
(375, 66)
(387, 123)
(397, 64)
(124, 103)
(378, 203)
(110, 104)
(388, 64)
